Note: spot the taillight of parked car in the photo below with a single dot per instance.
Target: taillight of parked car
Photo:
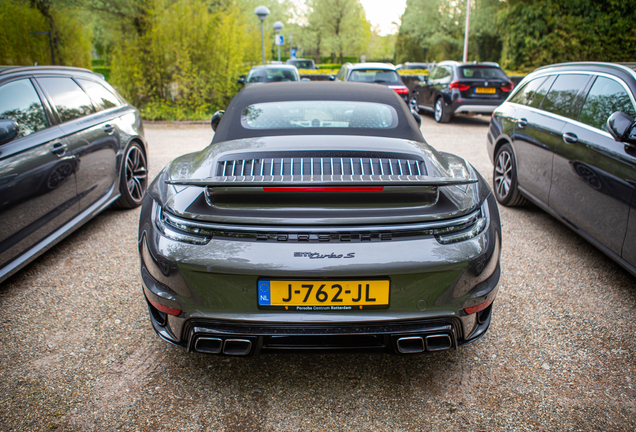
(458, 86)
(507, 88)
(401, 90)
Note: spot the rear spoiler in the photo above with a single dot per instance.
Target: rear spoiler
(323, 181)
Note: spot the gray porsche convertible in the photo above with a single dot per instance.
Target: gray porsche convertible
(319, 219)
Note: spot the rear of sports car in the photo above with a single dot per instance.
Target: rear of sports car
(262, 245)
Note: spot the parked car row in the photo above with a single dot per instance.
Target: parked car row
(319, 218)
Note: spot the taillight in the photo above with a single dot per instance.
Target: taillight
(325, 189)
(458, 86)
(479, 307)
(401, 90)
(166, 309)
(508, 88)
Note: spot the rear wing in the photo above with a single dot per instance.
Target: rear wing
(321, 182)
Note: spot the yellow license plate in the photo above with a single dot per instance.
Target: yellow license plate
(331, 294)
(489, 90)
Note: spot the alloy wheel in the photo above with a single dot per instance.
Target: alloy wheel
(439, 109)
(136, 173)
(503, 174)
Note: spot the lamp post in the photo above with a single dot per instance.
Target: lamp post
(465, 59)
(278, 26)
(262, 12)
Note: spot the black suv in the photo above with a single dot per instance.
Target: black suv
(373, 73)
(70, 145)
(566, 140)
(461, 88)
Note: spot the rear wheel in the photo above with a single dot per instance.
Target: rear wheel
(414, 105)
(441, 112)
(505, 178)
(134, 177)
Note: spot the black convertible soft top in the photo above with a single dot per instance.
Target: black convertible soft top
(230, 127)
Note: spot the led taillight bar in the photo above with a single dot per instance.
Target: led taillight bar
(401, 90)
(326, 189)
(457, 85)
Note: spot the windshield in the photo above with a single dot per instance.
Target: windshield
(483, 72)
(302, 64)
(319, 114)
(267, 75)
(375, 76)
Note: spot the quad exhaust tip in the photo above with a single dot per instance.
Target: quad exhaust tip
(211, 345)
(418, 344)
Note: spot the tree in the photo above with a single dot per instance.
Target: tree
(340, 26)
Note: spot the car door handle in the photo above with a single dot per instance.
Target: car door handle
(109, 129)
(59, 149)
(522, 123)
(570, 138)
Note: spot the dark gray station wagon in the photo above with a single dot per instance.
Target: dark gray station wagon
(566, 140)
(70, 145)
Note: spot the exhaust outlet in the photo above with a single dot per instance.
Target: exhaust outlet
(438, 342)
(410, 345)
(237, 347)
(208, 345)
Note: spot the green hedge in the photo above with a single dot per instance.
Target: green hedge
(104, 70)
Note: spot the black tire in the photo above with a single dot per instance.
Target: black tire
(440, 112)
(134, 178)
(504, 178)
(413, 103)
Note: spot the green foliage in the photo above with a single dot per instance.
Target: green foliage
(17, 45)
(104, 70)
(433, 30)
(329, 66)
(339, 27)
(70, 29)
(549, 31)
(186, 53)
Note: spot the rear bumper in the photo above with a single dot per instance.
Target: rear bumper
(402, 337)
(475, 109)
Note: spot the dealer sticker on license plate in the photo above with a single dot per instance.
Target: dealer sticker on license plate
(308, 295)
(489, 90)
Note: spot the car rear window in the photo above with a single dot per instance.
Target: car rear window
(267, 75)
(303, 64)
(70, 100)
(318, 114)
(375, 76)
(101, 95)
(482, 72)
(562, 99)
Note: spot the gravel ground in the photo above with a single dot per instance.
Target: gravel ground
(78, 352)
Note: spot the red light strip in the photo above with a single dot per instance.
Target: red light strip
(166, 309)
(479, 307)
(326, 189)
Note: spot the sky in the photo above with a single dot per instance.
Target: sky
(383, 13)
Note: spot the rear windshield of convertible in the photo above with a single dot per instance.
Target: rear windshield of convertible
(319, 114)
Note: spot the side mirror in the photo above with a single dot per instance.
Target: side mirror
(9, 130)
(241, 80)
(216, 119)
(417, 117)
(332, 78)
(622, 127)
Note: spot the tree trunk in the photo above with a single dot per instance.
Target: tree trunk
(44, 6)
